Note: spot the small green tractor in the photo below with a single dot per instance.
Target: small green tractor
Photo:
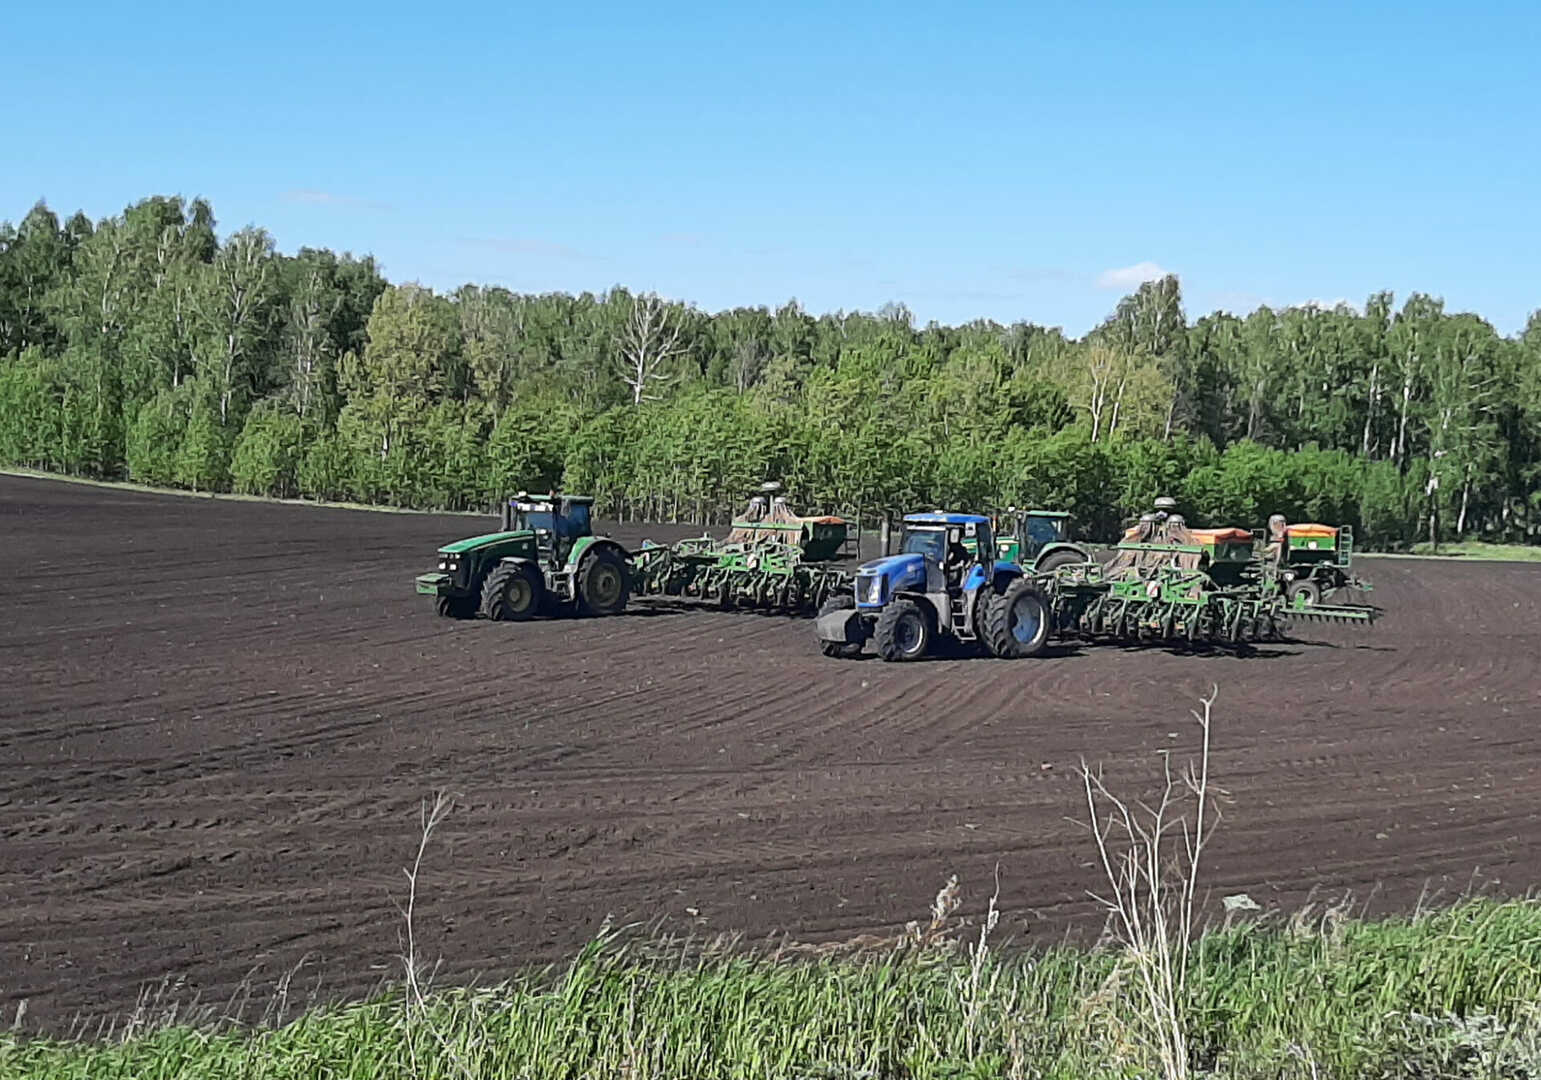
(1038, 540)
(544, 560)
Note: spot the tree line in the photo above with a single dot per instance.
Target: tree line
(142, 346)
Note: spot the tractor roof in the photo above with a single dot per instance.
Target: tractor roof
(525, 499)
(1048, 513)
(936, 517)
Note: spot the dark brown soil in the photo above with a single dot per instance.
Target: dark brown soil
(220, 720)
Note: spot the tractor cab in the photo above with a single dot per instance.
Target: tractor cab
(555, 520)
(951, 545)
(1039, 539)
(1033, 530)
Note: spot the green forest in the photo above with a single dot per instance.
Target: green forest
(143, 347)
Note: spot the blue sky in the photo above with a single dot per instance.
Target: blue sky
(1014, 161)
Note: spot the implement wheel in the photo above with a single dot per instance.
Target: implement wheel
(903, 631)
(840, 650)
(1304, 594)
(603, 584)
(513, 593)
(1017, 621)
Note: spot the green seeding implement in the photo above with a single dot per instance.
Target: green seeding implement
(1309, 563)
(772, 560)
(1167, 583)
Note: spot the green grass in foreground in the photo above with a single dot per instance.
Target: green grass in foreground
(1451, 993)
(1477, 549)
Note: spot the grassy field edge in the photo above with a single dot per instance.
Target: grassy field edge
(1450, 992)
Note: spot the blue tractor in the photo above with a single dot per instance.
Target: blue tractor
(945, 582)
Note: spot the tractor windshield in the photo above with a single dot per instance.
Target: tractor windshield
(931, 543)
(1045, 530)
(537, 520)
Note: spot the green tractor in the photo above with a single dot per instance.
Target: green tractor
(544, 560)
(1037, 540)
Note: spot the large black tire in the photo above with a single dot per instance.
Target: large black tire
(455, 607)
(1304, 592)
(513, 593)
(603, 584)
(903, 631)
(1017, 621)
(1056, 559)
(841, 650)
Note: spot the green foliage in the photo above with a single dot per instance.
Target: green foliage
(1396, 421)
(267, 455)
(29, 411)
(527, 449)
(155, 438)
(1388, 506)
(203, 459)
(1448, 993)
(325, 468)
(457, 444)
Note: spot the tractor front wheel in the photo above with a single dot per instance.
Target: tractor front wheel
(513, 593)
(903, 631)
(603, 584)
(455, 607)
(1017, 621)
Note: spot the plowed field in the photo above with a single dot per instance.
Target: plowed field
(219, 720)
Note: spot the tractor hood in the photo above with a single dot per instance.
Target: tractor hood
(471, 543)
(898, 571)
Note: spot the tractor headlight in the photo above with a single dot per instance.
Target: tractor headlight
(443, 564)
(869, 589)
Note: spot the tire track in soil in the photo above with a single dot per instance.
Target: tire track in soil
(225, 715)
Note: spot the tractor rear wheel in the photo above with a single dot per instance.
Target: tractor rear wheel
(841, 650)
(603, 584)
(513, 593)
(1304, 594)
(1017, 621)
(1055, 559)
(903, 631)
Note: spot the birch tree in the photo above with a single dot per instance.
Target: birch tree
(648, 346)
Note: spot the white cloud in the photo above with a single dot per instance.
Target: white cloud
(1332, 305)
(528, 245)
(312, 197)
(1129, 277)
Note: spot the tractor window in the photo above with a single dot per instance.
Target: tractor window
(539, 520)
(578, 520)
(931, 543)
(985, 543)
(1043, 531)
